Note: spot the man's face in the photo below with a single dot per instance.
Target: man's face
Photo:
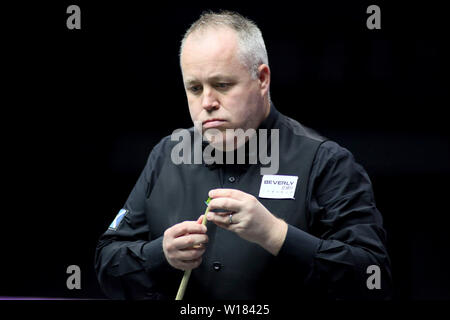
(220, 90)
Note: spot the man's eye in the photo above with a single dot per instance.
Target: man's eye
(223, 85)
(194, 89)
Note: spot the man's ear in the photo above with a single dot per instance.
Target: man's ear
(264, 78)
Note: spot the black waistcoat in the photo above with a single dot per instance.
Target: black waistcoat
(234, 268)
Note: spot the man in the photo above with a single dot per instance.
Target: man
(318, 239)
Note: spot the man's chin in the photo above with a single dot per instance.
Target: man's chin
(218, 144)
(225, 141)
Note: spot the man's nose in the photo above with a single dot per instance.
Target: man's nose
(209, 100)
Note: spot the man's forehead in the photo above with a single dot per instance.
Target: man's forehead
(210, 57)
(214, 43)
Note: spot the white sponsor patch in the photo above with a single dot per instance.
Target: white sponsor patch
(278, 186)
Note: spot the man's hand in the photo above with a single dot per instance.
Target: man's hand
(184, 244)
(250, 220)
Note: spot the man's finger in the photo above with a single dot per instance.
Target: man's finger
(226, 204)
(221, 219)
(189, 254)
(187, 227)
(226, 193)
(189, 241)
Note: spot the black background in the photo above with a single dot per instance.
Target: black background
(82, 109)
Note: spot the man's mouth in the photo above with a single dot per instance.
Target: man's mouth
(213, 123)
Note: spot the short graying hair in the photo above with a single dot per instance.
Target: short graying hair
(251, 48)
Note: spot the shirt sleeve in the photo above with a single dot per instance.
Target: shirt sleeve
(128, 265)
(345, 233)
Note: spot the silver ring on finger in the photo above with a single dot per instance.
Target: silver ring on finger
(230, 221)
